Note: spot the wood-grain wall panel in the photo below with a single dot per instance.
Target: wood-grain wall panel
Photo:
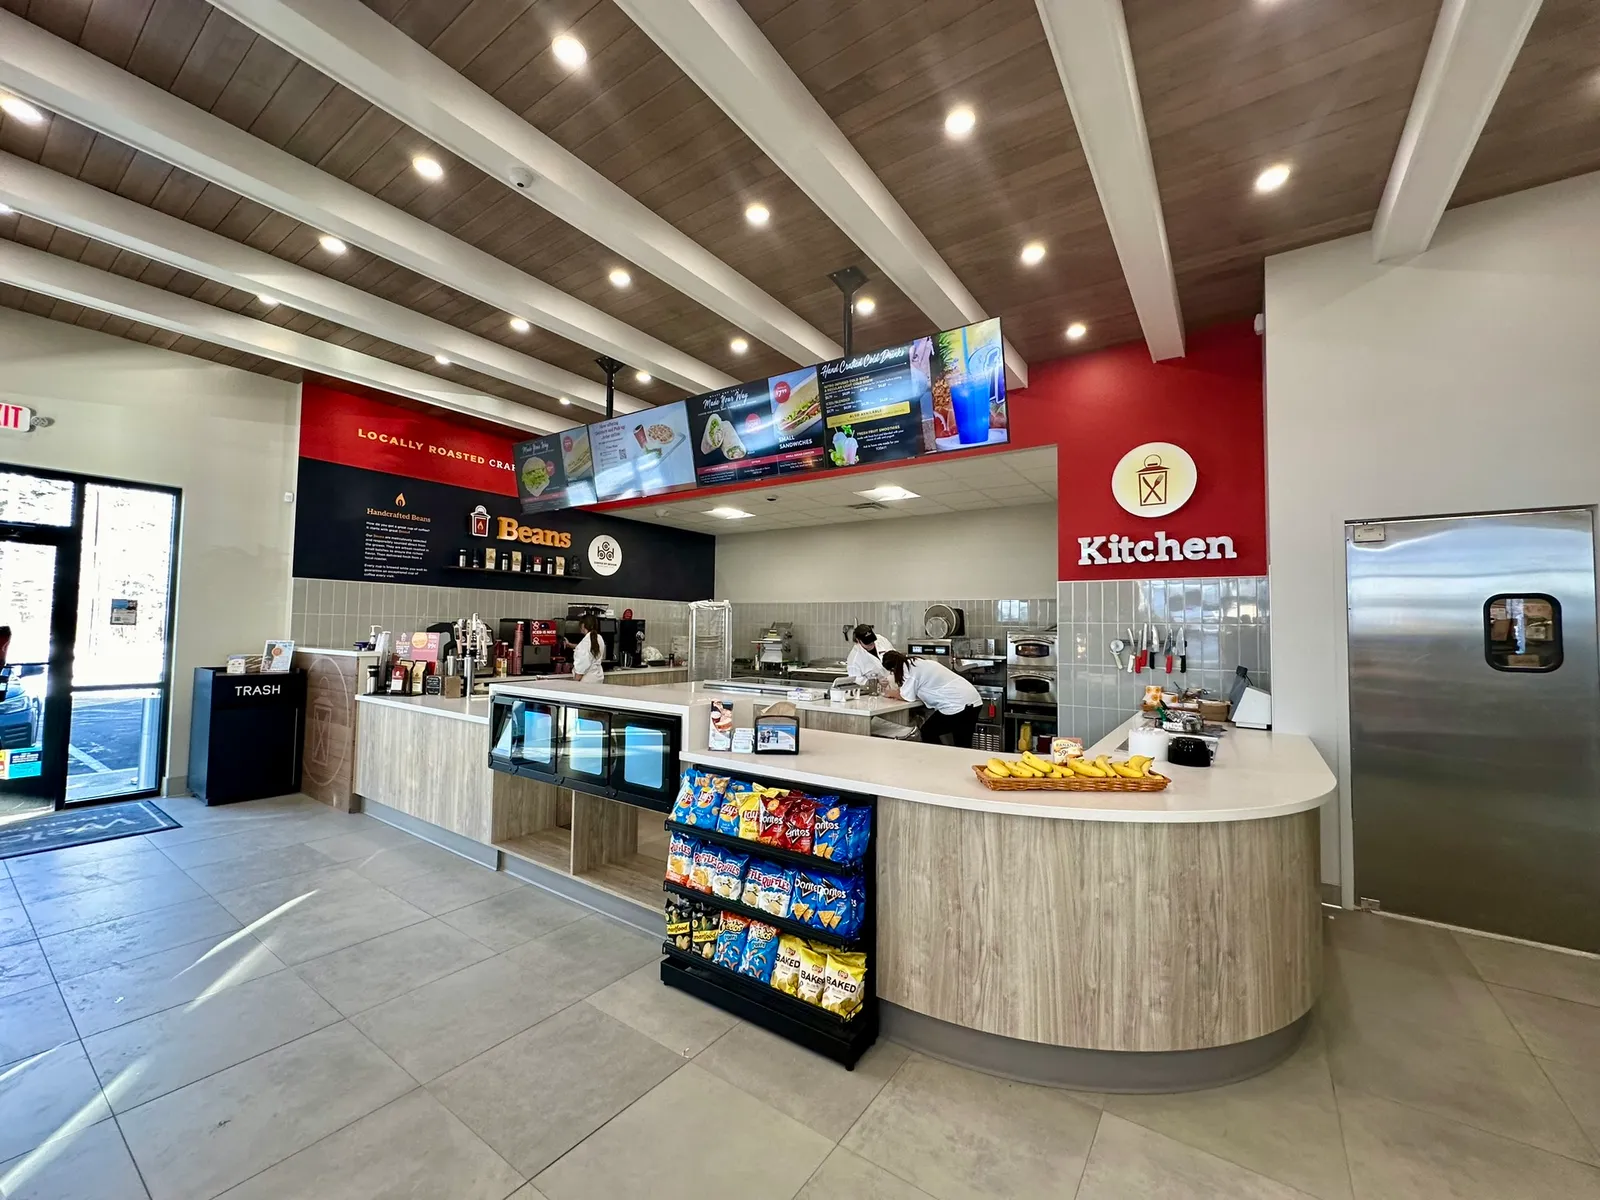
(1097, 934)
(427, 766)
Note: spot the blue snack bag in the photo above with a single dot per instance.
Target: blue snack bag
(732, 800)
(683, 803)
(730, 941)
(760, 951)
(829, 838)
(708, 794)
(858, 831)
(828, 902)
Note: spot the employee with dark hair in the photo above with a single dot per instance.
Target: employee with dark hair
(865, 649)
(952, 702)
(588, 651)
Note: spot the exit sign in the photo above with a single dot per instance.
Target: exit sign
(17, 417)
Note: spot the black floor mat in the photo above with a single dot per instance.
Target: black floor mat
(57, 830)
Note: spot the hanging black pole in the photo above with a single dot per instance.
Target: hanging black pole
(610, 366)
(848, 280)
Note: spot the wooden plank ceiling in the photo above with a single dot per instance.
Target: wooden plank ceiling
(1228, 86)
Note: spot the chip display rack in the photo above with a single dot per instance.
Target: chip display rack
(842, 1039)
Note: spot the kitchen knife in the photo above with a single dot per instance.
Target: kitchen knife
(1183, 656)
(1168, 645)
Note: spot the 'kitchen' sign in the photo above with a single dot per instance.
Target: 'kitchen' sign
(1153, 481)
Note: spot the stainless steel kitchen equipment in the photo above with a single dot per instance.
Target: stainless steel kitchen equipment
(1475, 721)
(942, 621)
(710, 639)
(1030, 687)
(942, 650)
(775, 646)
(1033, 649)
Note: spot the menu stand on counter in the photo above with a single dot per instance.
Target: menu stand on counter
(843, 1039)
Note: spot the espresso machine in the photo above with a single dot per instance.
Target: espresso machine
(630, 642)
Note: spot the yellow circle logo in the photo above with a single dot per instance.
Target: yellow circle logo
(1154, 479)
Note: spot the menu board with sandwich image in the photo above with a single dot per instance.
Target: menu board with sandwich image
(555, 471)
(757, 430)
(645, 453)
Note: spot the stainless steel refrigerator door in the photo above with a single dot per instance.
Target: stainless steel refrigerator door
(1475, 792)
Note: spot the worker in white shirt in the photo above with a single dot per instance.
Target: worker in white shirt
(864, 663)
(588, 651)
(952, 702)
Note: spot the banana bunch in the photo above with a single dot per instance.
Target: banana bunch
(1031, 766)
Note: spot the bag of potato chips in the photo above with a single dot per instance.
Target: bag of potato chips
(813, 973)
(786, 966)
(730, 941)
(680, 858)
(728, 815)
(750, 815)
(704, 926)
(760, 951)
(845, 979)
(683, 805)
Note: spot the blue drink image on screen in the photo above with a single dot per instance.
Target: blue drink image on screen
(970, 396)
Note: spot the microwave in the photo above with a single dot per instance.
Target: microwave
(627, 756)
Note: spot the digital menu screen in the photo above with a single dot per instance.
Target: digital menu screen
(757, 430)
(967, 375)
(646, 453)
(555, 471)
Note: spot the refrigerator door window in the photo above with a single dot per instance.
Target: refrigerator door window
(541, 724)
(645, 769)
(644, 756)
(1522, 632)
(507, 728)
(589, 733)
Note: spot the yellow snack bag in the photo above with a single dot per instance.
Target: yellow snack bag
(813, 973)
(750, 814)
(786, 967)
(844, 982)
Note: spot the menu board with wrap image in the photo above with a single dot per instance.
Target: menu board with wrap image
(967, 374)
(757, 430)
(646, 453)
(555, 471)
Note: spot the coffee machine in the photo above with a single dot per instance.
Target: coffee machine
(630, 643)
(607, 630)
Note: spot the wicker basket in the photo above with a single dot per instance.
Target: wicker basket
(1078, 783)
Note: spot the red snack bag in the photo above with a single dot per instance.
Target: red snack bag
(774, 809)
(799, 824)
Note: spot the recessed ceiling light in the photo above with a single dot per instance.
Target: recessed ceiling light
(1033, 254)
(15, 106)
(738, 345)
(866, 305)
(1273, 178)
(1076, 330)
(959, 122)
(889, 491)
(727, 513)
(441, 360)
(332, 244)
(758, 214)
(269, 301)
(428, 168)
(642, 376)
(564, 400)
(520, 325)
(619, 277)
(569, 51)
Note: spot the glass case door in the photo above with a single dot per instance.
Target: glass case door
(585, 750)
(644, 768)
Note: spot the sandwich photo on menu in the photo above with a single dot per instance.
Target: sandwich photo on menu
(796, 405)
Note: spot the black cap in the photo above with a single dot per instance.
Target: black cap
(863, 633)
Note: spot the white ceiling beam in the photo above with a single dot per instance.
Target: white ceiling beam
(348, 42)
(51, 275)
(106, 217)
(61, 77)
(1475, 43)
(717, 45)
(1089, 40)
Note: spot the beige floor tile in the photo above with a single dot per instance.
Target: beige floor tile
(512, 918)
(588, 954)
(401, 862)
(1491, 1088)
(410, 1149)
(1129, 1160)
(31, 1022)
(221, 1130)
(95, 947)
(41, 878)
(1407, 942)
(527, 1192)
(361, 842)
(23, 967)
(1563, 1030)
(749, 1150)
(259, 867)
(303, 917)
(97, 905)
(536, 1096)
(1532, 969)
(677, 1020)
(15, 926)
(1365, 992)
(165, 1051)
(957, 1134)
(846, 1176)
(230, 847)
(362, 976)
(444, 889)
(89, 1163)
(1283, 1124)
(8, 891)
(70, 856)
(813, 1090)
(1579, 1086)
(116, 995)
(253, 903)
(1400, 1153)
(48, 1095)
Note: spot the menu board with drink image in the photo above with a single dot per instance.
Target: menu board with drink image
(757, 430)
(643, 454)
(967, 375)
(555, 471)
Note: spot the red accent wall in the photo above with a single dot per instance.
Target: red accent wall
(359, 431)
(1096, 407)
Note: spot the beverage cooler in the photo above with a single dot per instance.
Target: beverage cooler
(599, 751)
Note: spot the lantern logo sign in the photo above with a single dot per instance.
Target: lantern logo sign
(1154, 479)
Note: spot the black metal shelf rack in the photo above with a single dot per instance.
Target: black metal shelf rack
(843, 1039)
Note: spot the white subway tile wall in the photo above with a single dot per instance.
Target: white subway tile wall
(335, 614)
(1227, 624)
(819, 628)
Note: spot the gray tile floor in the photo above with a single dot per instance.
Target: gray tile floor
(279, 1001)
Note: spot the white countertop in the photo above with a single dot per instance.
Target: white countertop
(475, 710)
(679, 697)
(345, 653)
(1255, 775)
